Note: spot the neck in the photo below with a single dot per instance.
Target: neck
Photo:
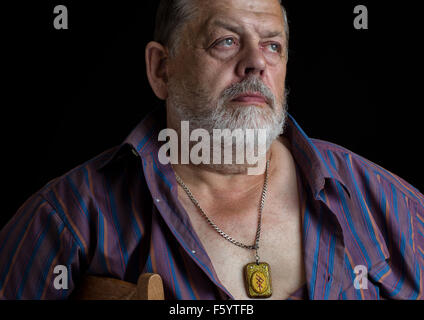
(225, 185)
(236, 196)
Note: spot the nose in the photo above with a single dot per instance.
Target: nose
(252, 62)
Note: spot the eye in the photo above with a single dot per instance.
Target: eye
(274, 47)
(226, 43)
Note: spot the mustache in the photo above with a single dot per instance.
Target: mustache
(248, 85)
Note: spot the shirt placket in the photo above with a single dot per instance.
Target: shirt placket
(323, 249)
(181, 228)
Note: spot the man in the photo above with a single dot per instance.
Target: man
(318, 223)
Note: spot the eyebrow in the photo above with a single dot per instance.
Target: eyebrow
(239, 30)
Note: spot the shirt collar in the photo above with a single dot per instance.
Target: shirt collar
(308, 157)
(143, 140)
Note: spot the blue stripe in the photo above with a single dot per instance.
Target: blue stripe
(117, 224)
(149, 267)
(144, 140)
(305, 235)
(306, 223)
(332, 161)
(82, 206)
(182, 274)
(402, 262)
(364, 209)
(416, 280)
(408, 214)
(102, 241)
(395, 202)
(187, 282)
(420, 222)
(171, 265)
(315, 263)
(377, 292)
(62, 215)
(367, 188)
(85, 173)
(34, 252)
(100, 224)
(422, 255)
(382, 272)
(330, 266)
(128, 200)
(383, 210)
(160, 174)
(15, 247)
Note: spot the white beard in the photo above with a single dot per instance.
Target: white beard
(192, 103)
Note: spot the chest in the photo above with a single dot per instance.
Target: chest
(280, 246)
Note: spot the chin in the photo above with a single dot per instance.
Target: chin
(227, 168)
(236, 104)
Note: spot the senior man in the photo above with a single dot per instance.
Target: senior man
(320, 222)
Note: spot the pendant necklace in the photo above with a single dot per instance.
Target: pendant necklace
(257, 274)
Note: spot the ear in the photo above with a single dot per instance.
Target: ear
(156, 60)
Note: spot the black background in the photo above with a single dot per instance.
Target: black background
(68, 95)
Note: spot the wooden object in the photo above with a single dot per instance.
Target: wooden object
(149, 287)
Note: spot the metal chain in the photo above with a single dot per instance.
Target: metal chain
(222, 233)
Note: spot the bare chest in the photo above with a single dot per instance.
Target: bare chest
(280, 246)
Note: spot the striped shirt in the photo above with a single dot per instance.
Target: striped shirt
(118, 215)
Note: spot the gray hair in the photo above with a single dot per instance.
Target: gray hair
(173, 14)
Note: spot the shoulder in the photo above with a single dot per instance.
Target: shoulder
(82, 180)
(390, 207)
(77, 196)
(361, 173)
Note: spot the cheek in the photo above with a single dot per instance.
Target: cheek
(278, 85)
(191, 69)
(215, 77)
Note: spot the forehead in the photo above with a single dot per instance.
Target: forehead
(259, 15)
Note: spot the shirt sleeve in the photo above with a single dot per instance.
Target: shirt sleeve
(419, 245)
(39, 258)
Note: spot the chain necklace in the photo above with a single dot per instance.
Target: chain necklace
(257, 274)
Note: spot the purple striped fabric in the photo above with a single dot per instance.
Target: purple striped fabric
(118, 215)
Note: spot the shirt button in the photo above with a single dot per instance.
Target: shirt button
(135, 152)
(193, 251)
(157, 200)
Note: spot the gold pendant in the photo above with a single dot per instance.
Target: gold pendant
(258, 280)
